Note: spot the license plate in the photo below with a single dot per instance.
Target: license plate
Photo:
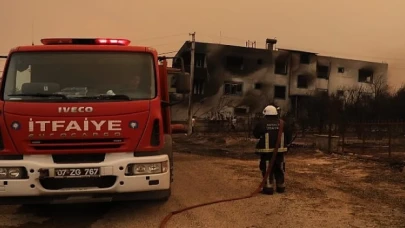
(77, 172)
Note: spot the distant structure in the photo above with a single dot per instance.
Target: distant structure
(236, 81)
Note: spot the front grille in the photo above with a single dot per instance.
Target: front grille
(77, 158)
(72, 144)
(85, 182)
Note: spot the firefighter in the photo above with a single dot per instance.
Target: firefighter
(193, 124)
(233, 123)
(135, 81)
(130, 89)
(267, 131)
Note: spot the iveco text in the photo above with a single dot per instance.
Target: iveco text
(75, 109)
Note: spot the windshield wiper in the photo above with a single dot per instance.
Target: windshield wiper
(37, 95)
(107, 97)
(116, 97)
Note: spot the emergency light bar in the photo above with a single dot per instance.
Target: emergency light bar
(83, 41)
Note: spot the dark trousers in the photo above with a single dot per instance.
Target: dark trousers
(277, 172)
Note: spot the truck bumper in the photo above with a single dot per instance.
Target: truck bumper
(112, 184)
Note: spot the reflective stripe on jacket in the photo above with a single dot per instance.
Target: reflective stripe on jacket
(267, 130)
(268, 149)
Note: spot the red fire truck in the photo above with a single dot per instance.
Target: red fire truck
(85, 120)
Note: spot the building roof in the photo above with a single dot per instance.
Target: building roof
(201, 47)
(299, 51)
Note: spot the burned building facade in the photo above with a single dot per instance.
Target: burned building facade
(238, 81)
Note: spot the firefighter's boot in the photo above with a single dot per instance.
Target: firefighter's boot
(280, 189)
(268, 188)
(268, 191)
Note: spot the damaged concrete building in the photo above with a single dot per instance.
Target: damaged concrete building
(238, 81)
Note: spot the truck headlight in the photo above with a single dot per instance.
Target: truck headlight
(148, 168)
(3, 173)
(12, 173)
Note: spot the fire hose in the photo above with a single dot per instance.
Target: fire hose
(254, 193)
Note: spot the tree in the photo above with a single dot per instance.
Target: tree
(379, 86)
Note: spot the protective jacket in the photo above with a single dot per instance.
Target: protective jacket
(267, 133)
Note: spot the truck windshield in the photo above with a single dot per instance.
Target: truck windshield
(44, 76)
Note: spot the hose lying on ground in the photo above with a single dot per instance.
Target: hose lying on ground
(254, 193)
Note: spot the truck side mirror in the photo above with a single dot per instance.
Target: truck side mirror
(183, 83)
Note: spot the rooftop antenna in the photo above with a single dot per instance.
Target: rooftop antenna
(32, 27)
(32, 33)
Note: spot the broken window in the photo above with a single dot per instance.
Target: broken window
(233, 88)
(322, 71)
(366, 75)
(302, 81)
(305, 58)
(341, 70)
(198, 86)
(279, 92)
(258, 85)
(240, 110)
(234, 62)
(199, 60)
(280, 67)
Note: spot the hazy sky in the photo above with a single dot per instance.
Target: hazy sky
(372, 30)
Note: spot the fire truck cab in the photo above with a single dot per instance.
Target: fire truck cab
(85, 120)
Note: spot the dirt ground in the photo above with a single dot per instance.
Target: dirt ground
(322, 191)
(336, 187)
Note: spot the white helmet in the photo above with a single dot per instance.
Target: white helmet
(270, 110)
